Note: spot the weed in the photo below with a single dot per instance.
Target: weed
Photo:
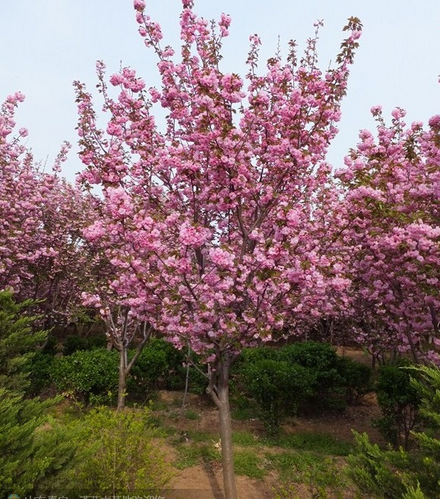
(249, 464)
(190, 455)
(321, 443)
(320, 475)
(192, 414)
(244, 438)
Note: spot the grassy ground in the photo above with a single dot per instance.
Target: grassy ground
(293, 465)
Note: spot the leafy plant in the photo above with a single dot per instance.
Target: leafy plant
(278, 387)
(90, 376)
(249, 464)
(32, 447)
(399, 402)
(121, 454)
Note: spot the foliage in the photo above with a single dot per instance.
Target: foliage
(370, 468)
(151, 366)
(296, 377)
(399, 402)
(336, 380)
(357, 379)
(278, 387)
(162, 365)
(40, 376)
(32, 447)
(18, 342)
(76, 342)
(89, 376)
(413, 473)
(120, 454)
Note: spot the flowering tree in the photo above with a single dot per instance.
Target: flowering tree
(392, 209)
(123, 329)
(214, 225)
(41, 218)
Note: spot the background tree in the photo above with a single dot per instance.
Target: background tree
(42, 255)
(392, 235)
(221, 215)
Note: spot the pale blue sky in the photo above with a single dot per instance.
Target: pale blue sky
(46, 44)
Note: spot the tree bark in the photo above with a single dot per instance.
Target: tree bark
(122, 383)
(226, 440)
(220, 395)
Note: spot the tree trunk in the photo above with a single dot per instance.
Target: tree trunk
(122, 383)
(226, 440)
(220, 395)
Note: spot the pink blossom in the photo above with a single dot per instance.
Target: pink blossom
(139, 5)
(434, 121)
(193, 236)
(116, 79)
(221, 258)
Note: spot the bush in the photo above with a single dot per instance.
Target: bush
(31, 448)
(149, 370)
(407, 474)
(75, 343)
(356, 379)
(321, 359)
(121, 455)
(40, 376)
(399, 402)
(18, 342)
(372, 470)
(278, 387)
(89, 376)
(150, 367)
(328, 381)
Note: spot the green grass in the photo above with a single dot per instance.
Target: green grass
(320, 474)
(243, 413)
(192, 414)
(191, 455)
(244, 438)
(199, 436)
(321, 443)
(249, 464)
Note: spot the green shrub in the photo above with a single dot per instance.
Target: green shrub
(174, 375)
(399, 402)
(32, 447)
(323, 363)
(120, 455)
(149, 369)
(18, 342)
(319, 379)
(374, 470)
(356, 379)
(40, 376)
(405, 474)
(75, 343)
(89, 376)
(278, 387)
